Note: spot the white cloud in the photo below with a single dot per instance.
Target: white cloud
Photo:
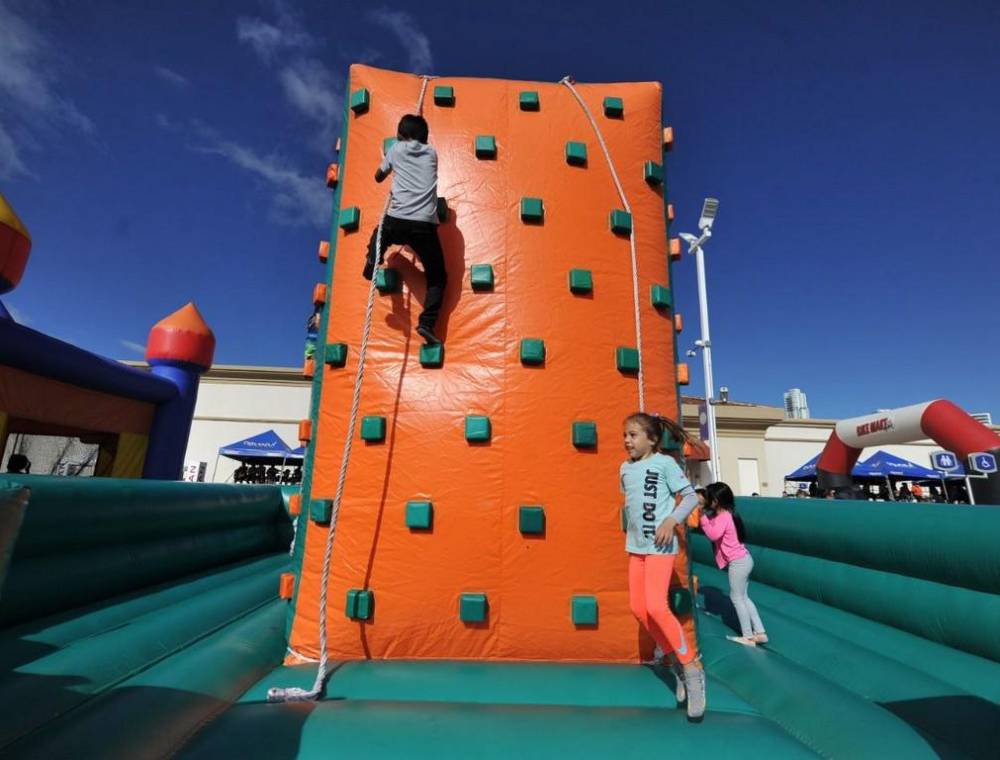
(311, 88)
(170, 76)
(414, 41)
(295, 198)
(131, 345)
(268, 40)
(307, 83)
(28, 92)
(164, 122)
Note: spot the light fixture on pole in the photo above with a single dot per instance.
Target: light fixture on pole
(709, 211)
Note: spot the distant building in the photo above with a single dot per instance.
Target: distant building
(796, 405)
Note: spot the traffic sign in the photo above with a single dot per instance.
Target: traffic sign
(983, 462)
(944, 460)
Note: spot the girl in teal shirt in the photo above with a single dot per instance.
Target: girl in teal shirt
(651, 483)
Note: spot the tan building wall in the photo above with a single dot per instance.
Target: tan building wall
(237, 402)
(757, 446)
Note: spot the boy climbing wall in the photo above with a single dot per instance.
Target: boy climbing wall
(412, 216)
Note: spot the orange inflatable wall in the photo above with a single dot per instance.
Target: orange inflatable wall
(475, 544)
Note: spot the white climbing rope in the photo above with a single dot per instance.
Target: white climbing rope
(568, 81)
(294, 693)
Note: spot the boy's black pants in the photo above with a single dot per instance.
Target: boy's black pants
(422, 237)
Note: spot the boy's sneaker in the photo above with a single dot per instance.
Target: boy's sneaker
(694, 680)
(428, 335)
(744, 640)
(760, 638)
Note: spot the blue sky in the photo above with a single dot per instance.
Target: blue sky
(175, 152)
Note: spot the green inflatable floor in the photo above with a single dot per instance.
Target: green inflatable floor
(168, 649)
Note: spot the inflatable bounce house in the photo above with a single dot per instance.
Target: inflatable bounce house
(451, 573)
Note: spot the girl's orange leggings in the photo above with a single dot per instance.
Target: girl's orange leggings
(648, 581)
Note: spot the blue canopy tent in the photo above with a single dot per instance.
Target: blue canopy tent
(882, 464)
(806, 472)
(263, 448)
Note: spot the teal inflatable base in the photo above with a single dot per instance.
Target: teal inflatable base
(142, 621)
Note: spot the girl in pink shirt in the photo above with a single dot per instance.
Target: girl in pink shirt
(725, 530)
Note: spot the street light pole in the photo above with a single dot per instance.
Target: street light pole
(706, 358)
(708, 214)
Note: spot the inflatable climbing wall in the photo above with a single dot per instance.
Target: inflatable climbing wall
(481, 513)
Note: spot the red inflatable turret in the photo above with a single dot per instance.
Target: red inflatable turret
(180, 349)
(15, 245)
(181, 337)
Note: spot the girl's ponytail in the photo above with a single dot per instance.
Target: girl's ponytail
(658, 427)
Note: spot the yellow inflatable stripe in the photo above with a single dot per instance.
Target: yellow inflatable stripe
(8, 217)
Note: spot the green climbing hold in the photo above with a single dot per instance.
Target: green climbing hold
(360, 604)
(652, 172)
(585, 434)
(373, 429)
(679, 599)
(360, 100)
(614, 108)
(320, 510)
(620, 222)
(576, 153)
(477, 428)
(481, 277)
(532, 210)
(336, 354)
(387, 280)
(661, 296)
(387, 143)
(581, 281)
(531, 519)
(584, 610)
(528, 100)
(432, 355)
(472, 608)
(532, 351)
(627, 359)
(444, 95)
(419, 515)
(350, 218)
(486, 146)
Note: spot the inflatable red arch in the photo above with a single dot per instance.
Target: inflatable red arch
(939, 420)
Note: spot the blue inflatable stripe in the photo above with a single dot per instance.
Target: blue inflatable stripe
(31, 351)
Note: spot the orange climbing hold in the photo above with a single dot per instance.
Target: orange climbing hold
(678, 323)
(286, 586)
(319, 294)
(668, 138)
(683, 374)
(675, 249)
(332, 175)
(305, 431)
(324, 251)
(295, 504)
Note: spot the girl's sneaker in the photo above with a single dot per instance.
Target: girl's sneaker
(744, 640)
(760, 638)
(694, 680)
(680, 690)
